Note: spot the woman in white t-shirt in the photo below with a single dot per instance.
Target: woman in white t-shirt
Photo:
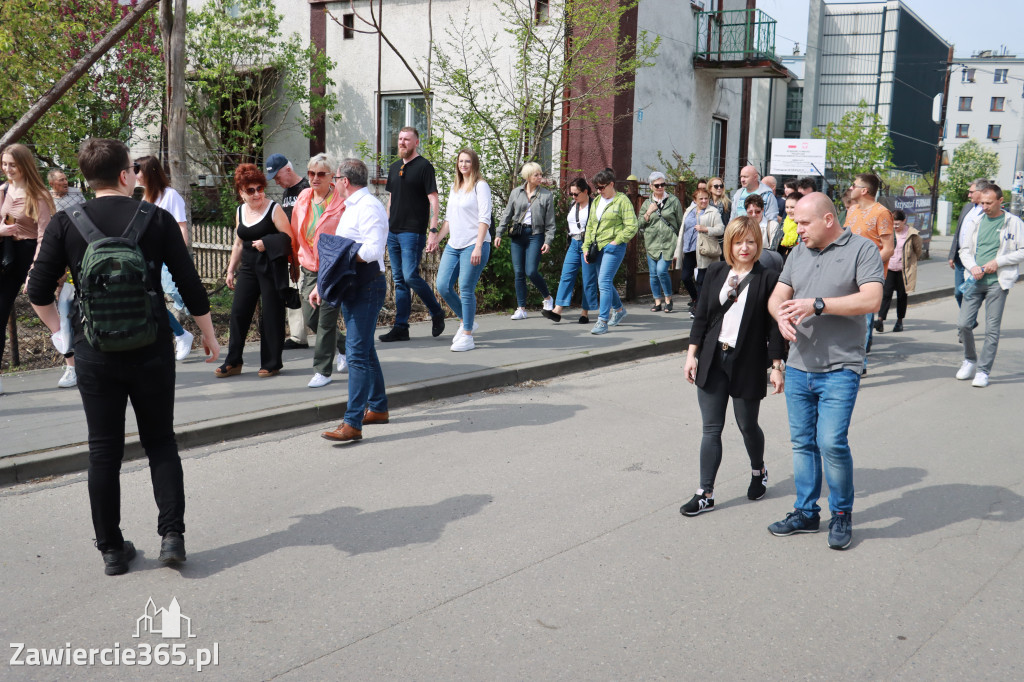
(157, 190)
(467, 223)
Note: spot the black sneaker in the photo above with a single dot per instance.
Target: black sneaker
(551, 315)
(758, 485)
(879, 326)
(115, 561)
(697, 505)
(396, 334)
(840, 530)
(292, 344)
(795, 522)
(898, 327)
(436, 327)
(172, 548)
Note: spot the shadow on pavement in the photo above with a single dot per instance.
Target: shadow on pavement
(348, 529)
(923, 510)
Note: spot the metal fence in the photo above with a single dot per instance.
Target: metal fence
(735, 35)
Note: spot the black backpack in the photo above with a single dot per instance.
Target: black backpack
(117, 303)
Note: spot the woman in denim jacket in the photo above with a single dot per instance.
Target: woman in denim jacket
(615, 223)
(530, 219)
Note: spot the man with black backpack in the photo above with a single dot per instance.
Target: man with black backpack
(123, 345)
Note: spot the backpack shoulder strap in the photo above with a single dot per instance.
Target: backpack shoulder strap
(140, 221)
(84, 224)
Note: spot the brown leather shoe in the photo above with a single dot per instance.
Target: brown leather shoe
(264, 373)
(226, 370)
(344, 432)
(371, 417)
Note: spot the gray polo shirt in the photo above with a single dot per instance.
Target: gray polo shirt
(825, 343)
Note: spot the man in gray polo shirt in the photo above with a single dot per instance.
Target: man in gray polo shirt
(831, 280)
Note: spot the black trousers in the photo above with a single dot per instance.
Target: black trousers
(713, 399)
(106, 381)
(894, 282)
(689, 262)
(12, 281)
(253, 285)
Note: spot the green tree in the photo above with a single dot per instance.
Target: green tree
(859, 143)
(248, 82)
(970, 162)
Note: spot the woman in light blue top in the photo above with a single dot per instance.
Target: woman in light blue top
(467, 223)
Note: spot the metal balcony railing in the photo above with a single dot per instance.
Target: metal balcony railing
(735, 35)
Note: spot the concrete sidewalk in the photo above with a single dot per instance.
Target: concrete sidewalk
(43, 430)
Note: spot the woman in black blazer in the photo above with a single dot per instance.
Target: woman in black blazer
(729, 353)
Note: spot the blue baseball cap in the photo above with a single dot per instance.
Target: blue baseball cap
(275, 162)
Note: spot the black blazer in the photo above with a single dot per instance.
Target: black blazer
(759, 338)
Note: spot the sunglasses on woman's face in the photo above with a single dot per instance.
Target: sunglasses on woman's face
(658, 185)
(254, 190)
(716, 186)
(318, 174)
(574, 194)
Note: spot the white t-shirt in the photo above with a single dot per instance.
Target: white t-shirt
(577, 218)
(465, 212)
(602, 204)
(172, 202)
(731, 321)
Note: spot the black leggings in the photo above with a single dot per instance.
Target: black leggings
(713, 399)
(894, 282)
(11, 282)
(688, 264)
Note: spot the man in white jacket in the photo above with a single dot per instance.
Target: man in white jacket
(750, 183)
(993, 246)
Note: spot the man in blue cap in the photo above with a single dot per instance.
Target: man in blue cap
(279, 169)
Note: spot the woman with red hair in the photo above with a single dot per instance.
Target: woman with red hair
(250, 274)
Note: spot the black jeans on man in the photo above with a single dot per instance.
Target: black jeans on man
(106, 381)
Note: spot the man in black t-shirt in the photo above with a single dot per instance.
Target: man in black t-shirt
(108, 380)
(279, 169)
(413, 205)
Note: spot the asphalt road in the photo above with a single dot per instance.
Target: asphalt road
(533, 533)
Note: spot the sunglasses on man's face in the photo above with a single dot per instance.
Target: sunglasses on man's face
(318, 174)
(658, 185)
(254, 190)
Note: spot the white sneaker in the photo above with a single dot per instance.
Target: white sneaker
(966, 370)
(461, 331)
(340, 364)
(549, 303)
(980, 380)
(70, 378)
(318, 380)
(183, 345)
(464, 342)
(519, 314)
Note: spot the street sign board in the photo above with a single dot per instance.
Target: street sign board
(797, 156)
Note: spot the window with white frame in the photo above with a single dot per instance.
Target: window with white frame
(1000, 76)
(397, 112)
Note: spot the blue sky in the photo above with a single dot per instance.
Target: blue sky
(970, 26)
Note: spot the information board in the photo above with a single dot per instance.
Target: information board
(797, 157)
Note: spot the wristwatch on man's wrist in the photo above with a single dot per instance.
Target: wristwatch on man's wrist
(819, 306)
(433, 230)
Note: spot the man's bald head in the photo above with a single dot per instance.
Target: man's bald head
(769, 180)
(816, 221)
(750, 178)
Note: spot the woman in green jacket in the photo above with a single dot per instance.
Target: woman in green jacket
(660, 217)
(614, 225)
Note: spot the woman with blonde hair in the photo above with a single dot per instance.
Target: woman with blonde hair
(25, 209)
(732, 339)
(530, 221)
(467, 224)
(720, 198)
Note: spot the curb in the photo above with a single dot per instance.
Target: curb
(74, 458)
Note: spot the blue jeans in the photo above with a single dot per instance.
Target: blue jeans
(525, 263)
(661, 281)
(456, 264)
(175, 325)
(405, 250)
(958, 280)
(870, 317)
(365, 378)
(820, 406)
(573, 264)
(608, 261)
(994, 298)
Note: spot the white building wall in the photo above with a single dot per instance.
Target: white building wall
(677, 101)
(1010, 145)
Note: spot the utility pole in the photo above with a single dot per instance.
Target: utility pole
(173, 15)
(942, 130)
